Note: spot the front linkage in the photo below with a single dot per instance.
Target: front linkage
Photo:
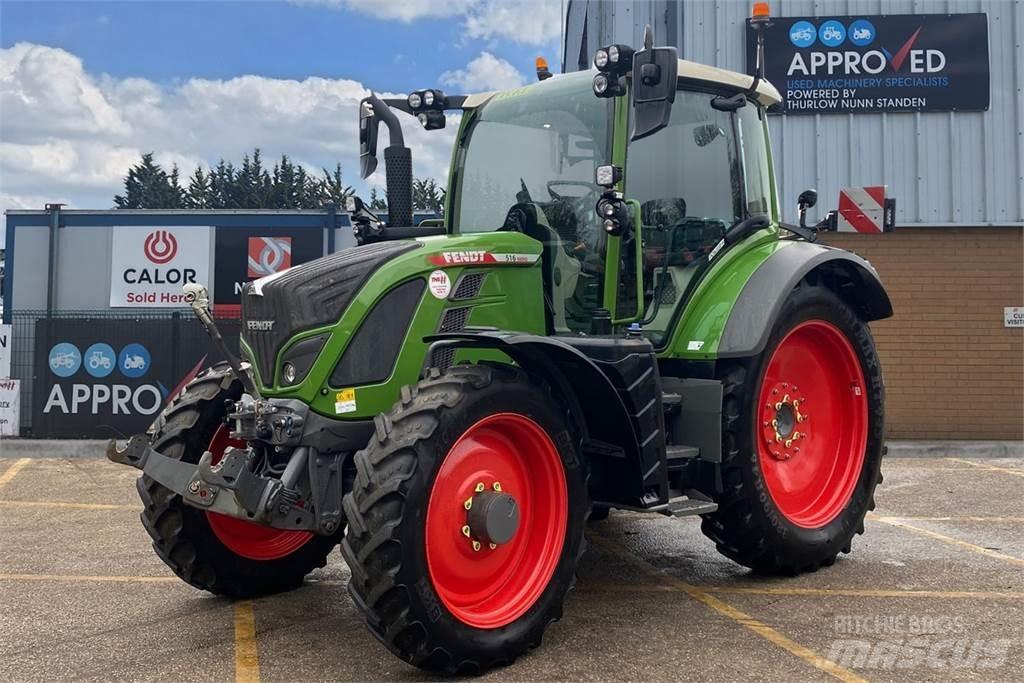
(307, 494)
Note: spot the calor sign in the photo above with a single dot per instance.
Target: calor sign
(150, 265)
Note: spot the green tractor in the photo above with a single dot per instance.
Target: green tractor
(451, 403)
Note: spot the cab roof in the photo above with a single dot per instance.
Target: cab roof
(695, 72)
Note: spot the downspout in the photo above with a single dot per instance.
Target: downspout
(51, 282)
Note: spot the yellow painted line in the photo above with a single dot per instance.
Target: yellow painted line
(61, 504)
(986, 466)
(727, 610)
(13, 470)
(247, 663)
(1015, 520)
(947, 539)
(85, 578)
(868, 593)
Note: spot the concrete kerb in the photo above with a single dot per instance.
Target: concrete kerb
(92, 448)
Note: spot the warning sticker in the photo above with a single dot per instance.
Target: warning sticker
(440, 284)
(345, 401)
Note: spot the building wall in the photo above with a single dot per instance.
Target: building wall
(952, 370)
(943, 168)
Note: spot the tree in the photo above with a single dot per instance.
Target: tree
(378, 203)
(427, 195)
(199, 194)
(334, 189)
(147, 186)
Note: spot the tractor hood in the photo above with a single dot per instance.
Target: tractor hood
(315, 294)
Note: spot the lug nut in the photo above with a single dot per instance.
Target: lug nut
(497, 486)
(492, 546)
(468, 504)
(476, 545)
(480, 487)
(465, 530)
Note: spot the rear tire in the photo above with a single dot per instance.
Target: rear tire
(774, 517)
(182, 535)
(427, 594)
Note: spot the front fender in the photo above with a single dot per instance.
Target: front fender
(608, 436)
(753, 315)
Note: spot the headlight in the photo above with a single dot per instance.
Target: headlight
(601, 58)
(428, 98)
(613, 54)
(423, 119)
(288, 373)
(600, 83)
(415, 101)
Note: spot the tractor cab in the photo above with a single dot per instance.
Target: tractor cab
(686, 159)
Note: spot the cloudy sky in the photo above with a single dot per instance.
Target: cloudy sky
(86, 87)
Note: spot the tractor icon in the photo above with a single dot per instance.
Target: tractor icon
(831, 34)
(62, 360)
(134, 362)
(862, 33)
(98, 359)
(802, 34)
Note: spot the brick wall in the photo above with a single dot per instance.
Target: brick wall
(952, 371)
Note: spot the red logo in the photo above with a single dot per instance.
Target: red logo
(160, 246)
(268, 255)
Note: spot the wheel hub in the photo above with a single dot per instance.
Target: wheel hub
(492, 517)
(782, 418)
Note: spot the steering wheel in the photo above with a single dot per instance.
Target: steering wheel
(593, 188)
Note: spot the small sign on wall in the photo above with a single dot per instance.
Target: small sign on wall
(1013, 316)
(5, 351)
(10, 407)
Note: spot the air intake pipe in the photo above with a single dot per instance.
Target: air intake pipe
(397, 158)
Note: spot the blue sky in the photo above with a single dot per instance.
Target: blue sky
(86, 87)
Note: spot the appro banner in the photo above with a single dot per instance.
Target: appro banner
(102, 378)
(150, 265)
(243, 254)
(860, 64)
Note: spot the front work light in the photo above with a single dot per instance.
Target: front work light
(616, 59)
(415, 100)
(431, 119)
(609, 85)
(608, 176)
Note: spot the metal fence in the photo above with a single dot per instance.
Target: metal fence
(182, 331)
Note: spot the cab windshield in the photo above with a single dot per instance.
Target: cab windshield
(527, 164)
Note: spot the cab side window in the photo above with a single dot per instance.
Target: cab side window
(689, 182)
(756, 173)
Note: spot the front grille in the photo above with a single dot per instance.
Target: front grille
(454, 319)
(469, 286)
(311, 295)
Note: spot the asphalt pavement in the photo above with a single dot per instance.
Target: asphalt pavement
(934, 590)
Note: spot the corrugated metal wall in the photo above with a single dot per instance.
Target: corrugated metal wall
(948, 168)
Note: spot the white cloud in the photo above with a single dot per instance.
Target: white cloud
(70, 135)
(534, 22)
(484, 73)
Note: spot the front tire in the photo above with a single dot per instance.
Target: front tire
(802, 439)
(445, 584)
(223, 555)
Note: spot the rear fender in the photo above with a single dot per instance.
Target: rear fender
(753, 316)
(608, 438)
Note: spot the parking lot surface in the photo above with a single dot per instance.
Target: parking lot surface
(933, 591)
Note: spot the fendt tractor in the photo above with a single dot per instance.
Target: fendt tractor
(452, 402)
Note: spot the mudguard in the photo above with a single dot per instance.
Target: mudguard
(753, 315)
(608, 436)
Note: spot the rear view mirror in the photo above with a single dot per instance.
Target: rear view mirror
(807, 199)
(655, 70)
(368, 123)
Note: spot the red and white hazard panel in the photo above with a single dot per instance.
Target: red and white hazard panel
(865, 209)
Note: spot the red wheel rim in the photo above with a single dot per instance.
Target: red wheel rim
(813, 419)
(252, 541)
(492, 587)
